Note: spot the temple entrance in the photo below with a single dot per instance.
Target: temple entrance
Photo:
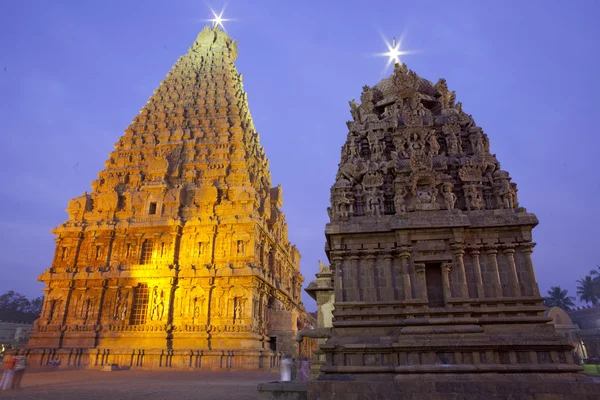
(435, 289)
(273, 343)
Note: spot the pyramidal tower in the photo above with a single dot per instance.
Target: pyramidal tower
(179, 256)
(435, 292)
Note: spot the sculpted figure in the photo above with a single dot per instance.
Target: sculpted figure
(434, 146)
(124, 307)
(160, 306)
(477, 143)
(424, 196)
(399, 203)
(354, 111)
(353, 150)
(449, 196)
(154, 315)
(344, 205)
(505, 191)
(415, 144)
(515, 197)
(452, 143)
(400, 143)
(472, 198)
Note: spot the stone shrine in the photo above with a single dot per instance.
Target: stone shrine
(179, 256)
(435, 292)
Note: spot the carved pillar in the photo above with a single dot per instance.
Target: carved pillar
(407, 286)
(526, 251)
(477, 272)
(65, 310)
(368, 288)
(387, 286)
(338, 288)
(58, 250)
(109, 248)
(352, 282)
(101, 302)
(75, 259)
(514, 287)
(446, 268)
(458, 253)
(422, 284)
(494, 274)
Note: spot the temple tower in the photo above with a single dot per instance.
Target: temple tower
(430, 252)
(179, 256)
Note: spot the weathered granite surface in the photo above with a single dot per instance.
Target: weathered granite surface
(435, 293)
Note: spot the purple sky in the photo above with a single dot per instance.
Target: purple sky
(73, 74)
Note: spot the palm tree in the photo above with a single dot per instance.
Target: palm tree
(588, 289)
(557, 297)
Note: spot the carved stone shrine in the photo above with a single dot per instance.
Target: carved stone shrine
(435, 290)
(179, 256)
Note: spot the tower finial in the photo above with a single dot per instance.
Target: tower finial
(218, 20)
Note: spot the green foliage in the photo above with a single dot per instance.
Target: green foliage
(14, 307)
(588, 289)
(558, 297)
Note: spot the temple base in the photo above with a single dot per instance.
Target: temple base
(455, 386)
(181, 359)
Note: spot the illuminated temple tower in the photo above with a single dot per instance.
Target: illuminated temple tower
(179, 257)
(435, 292)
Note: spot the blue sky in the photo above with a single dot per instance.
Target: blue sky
(73, 74)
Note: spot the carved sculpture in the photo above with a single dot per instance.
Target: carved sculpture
(151, 258)
(435, 288)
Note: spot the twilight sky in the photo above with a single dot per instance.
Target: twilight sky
(73, 74)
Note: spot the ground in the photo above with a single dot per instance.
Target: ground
(136, 384)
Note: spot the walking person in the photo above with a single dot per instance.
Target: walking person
(20, 366)
(304, 370)
(9, 370)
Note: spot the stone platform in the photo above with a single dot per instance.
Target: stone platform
(155, 359)
(457, 386)
(282, 391)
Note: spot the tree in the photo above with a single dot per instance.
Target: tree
(558, 297)
(588, 289)
(18, 308)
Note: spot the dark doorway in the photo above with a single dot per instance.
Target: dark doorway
(273, 343)
(435, 289)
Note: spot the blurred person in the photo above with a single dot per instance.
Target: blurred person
(304, 370)
(20, 365)
(8, 375)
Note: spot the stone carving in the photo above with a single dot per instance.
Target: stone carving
(449, 196)
(411, 267)
(184, 200)
(399, 200)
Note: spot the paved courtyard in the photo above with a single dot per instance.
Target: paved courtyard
(135, 384)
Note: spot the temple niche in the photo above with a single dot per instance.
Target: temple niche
(434, 289)
(179, 256)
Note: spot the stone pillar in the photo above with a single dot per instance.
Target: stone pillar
(526, 250)
(477, 272)
(407, 286)
(368, 288)
(494, 274)
(422, 284)
(459, 252)
(338, 281)
(353, 291)
(387, 287)
(446, 268)
(514, 287)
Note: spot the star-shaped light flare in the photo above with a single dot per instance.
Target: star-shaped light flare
(394, 52)
(218, 19)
